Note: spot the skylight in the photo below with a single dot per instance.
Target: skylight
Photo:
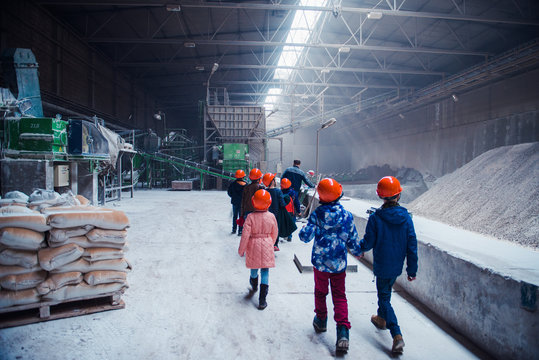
(300, 31)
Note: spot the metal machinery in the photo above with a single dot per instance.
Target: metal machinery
(236, 131)
(59, 154)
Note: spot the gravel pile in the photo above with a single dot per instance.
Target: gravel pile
(496, 194)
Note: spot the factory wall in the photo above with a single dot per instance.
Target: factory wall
(72, 74)
(435, 138)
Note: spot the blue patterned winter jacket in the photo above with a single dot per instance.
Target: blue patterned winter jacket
(334, 233)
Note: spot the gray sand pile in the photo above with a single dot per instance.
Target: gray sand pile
(496, 194)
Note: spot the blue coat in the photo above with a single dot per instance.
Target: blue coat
(296, 176)
(334, 234)
(277, 200)
(235, 191)
(390, 233)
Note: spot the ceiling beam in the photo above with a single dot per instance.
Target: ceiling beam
(284, 7)
(251, 43)
(290, 83)
(191, 65)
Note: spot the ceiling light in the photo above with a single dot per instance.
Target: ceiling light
(375, 15)
(324, 71)
(304, 97)
(344, 49)
(401, 116)
(199, 68)
(454, 97)
(173, 7)
(214, 68)
(189, 44)
(328, 123)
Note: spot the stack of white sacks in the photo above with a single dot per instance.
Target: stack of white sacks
(66, 250)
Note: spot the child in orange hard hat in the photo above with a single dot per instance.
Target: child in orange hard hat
(334, 233)
(391, 236)
(235, 191)
(259, 232)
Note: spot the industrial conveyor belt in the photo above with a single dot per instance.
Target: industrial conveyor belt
(175, 161)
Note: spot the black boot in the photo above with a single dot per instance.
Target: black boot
(254, 283)
(262, 297)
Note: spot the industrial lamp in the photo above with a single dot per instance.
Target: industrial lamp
(325, 125)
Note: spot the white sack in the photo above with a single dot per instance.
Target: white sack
(105, 277)
(114, 236)
(27, 259)
(96, 254)
(61, 235)
(52, 258)
(12, 298)
(109, 219)
(22, 239)
(23, 281)
(33, 221)
(15, 270)
(85, 266)
(83, 242)
(56, 281)
(82, 290)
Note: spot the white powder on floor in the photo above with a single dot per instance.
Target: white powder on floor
(496, 194)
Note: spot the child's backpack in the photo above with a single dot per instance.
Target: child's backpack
(290, 206)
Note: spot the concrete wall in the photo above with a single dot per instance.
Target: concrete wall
(71, 73)
(479, 303)
(438, 137)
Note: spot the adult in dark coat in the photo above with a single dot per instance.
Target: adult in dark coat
(297, 176)
(248, 191)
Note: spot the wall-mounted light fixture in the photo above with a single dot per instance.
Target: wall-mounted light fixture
(199, 68)
(375, 15)
(173, 7)
(189, 44)
(454, 97)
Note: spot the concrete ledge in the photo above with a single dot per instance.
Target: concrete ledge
(484, 287)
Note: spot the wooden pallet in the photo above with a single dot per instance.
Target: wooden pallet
(52, 310)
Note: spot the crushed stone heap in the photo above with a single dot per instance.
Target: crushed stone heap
(496, 194)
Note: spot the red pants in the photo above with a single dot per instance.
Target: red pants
(338, 295)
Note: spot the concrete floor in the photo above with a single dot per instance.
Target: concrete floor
(187, 300)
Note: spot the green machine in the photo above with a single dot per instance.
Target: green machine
(235, 156)
(37, 136)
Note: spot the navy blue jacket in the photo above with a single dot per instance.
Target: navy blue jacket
(390, 233)
(277, 200)
(296, 176)
(235, 191)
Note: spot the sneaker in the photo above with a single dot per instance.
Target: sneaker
(276, 248)
(379, 322)
(398, 345)
(319, 324)
(342, 339)
(233, 231)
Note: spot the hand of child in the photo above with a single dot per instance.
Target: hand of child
(411, 278)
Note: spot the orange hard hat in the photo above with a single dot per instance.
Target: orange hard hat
(310, 172)
(261, 200)
(255, 174)
(268, 178)
(285, 183)
(239, 174)
(329, 190)
(388, 186)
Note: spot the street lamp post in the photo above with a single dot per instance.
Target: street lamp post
(325, 125)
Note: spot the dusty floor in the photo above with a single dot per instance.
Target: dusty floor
(187, 300)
